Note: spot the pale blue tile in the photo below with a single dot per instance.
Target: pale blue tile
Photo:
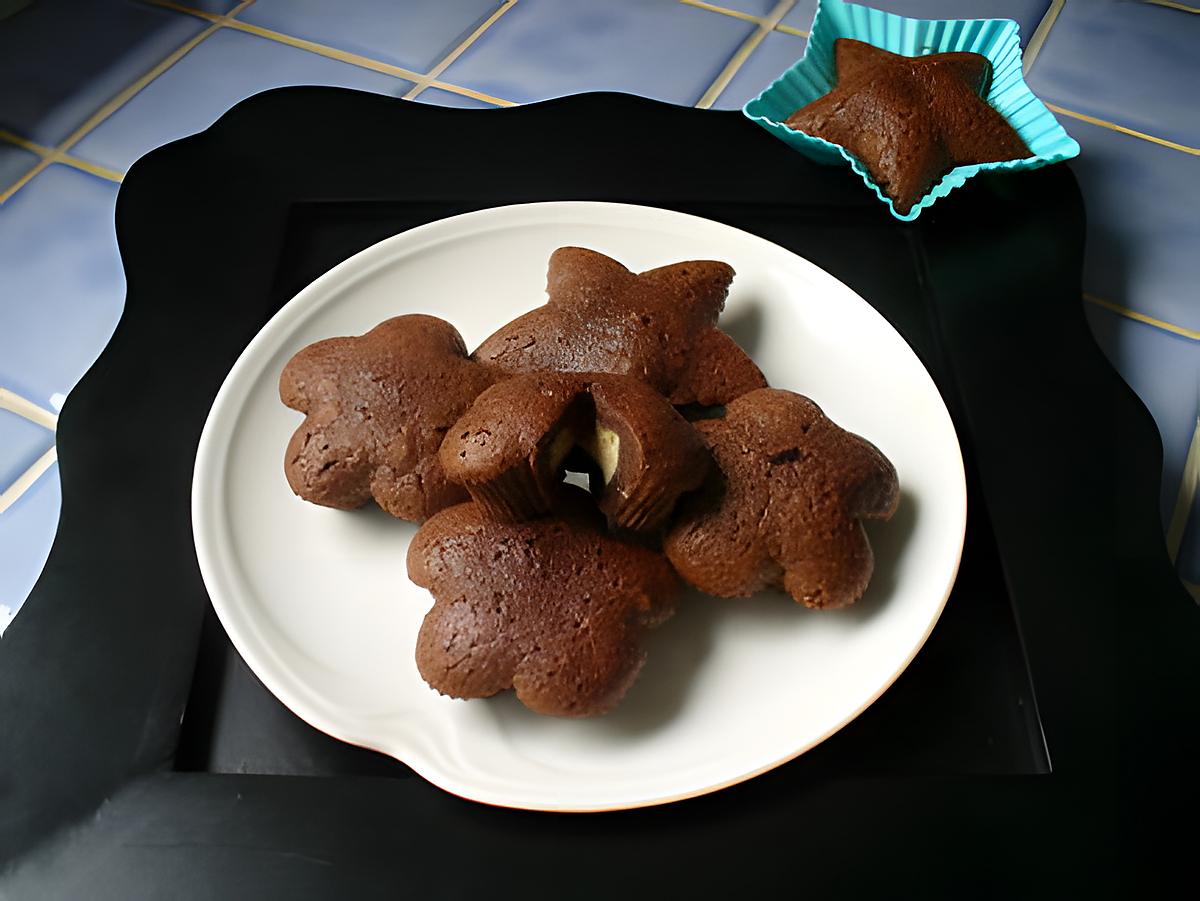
(438, 97)
(547, 48)
(61, 59)
(1164, 370)
(64, 287)
(223, 69)
(415, 34)
(776, 53)
(26, 532)
(1136, 64)
(1027, 13)
(1143, 241)
(49, 333)
(21, 443)
(14, 162)
(801, 15)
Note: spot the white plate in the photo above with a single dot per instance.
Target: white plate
(318, 603)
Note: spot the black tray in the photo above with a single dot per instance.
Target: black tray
(141, 756)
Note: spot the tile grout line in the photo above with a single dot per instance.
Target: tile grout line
(91, 168)
(214, 18)
(344, 56)
(56, 156)
(765, 27)
(1188, 482)
(1092, 120)
(363, 62)
(1170, 4)
(24, 143)
(42, 163)
(38, 167)
(27, 409)
(725, 11)
(746, 17)
(1038, 38)
(1190, 478)
(798, 32)
(471, 92)
(425, 80)
(325, 50)
(128, 93)
(26, 480)
(1160, 324)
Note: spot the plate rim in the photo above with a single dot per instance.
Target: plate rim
(208, 458)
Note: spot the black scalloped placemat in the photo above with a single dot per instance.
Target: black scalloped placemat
(1065, 593)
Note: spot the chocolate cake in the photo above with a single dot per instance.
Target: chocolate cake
(553, 608)
(376, 409)
(786, 511)
(659, 326)
(910, 120)
(509, 449)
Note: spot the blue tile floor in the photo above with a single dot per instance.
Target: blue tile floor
(88, 86)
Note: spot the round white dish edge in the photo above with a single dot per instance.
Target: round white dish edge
(429, 733)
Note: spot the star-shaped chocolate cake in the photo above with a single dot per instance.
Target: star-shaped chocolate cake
(376, 408)
(910, 120)
(659, 326)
